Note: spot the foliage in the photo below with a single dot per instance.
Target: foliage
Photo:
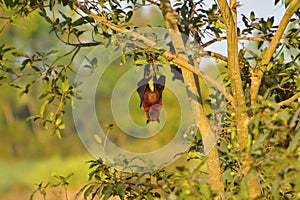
(272, 148)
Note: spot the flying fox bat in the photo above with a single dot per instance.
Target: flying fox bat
(151, 100)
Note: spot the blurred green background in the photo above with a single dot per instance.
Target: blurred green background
(29, 154)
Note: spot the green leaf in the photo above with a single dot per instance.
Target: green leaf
(20, 54)
(58, 121)
(252, 16)
(51, 116)
(149, 196)
(270, 22)
(65, 85)
(15, 86)
(37, 69)
(128, 16)
(140, 62)
(220, 25)
(2, 77)
(43, 95)
(98, 138)
(281, 59)
(276, 2)
(295, 142)
(270, 66)
(249, 142)
(57, 133)
(259, 44)
(61, 126)
(43, 107)
(287, 3)
(43, 14)
(88, 191)
(107, 191)
(51, 52)
(79, 22)
(24, 63)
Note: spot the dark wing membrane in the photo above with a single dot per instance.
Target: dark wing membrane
(142, 86)
(159, 83)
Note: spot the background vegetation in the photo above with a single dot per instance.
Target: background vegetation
(257, 155)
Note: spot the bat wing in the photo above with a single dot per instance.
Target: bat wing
(142, 86)
(160, 83)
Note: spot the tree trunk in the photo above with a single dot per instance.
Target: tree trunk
(209, 139)
(242, 119)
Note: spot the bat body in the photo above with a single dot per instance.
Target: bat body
(151, 100)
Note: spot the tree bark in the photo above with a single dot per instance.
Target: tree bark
(209, 139)
(242, 118)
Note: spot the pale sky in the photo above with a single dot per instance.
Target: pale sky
(261, 8)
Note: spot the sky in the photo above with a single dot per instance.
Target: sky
(261, 8)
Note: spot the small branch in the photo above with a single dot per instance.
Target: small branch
(223, 58)
(4, 17)
(193, 9)
(154, 3)
(80, 44)
(213, 41)
(239, 38)
(217, 55)
(290, 100)
(64, 55)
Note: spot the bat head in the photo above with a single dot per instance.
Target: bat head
(153, 113)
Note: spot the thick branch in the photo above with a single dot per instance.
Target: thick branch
(234, 72)
(242, 119)
(257, 77)
(209, 140)
(179, 60)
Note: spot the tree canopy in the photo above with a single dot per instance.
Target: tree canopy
(245, 141)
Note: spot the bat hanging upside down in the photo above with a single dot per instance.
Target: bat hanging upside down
(151, 99)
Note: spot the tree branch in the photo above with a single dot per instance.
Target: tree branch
(290, 100)
(81, 44)
(217, 55)
(257, 76)
(239, 38)
(154, 3)
(242, 119)
(4, 17)
(208, 136)
(182, 62)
